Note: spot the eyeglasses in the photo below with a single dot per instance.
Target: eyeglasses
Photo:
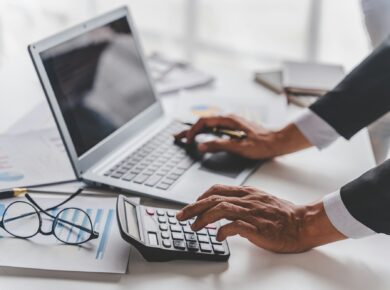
(72, 226)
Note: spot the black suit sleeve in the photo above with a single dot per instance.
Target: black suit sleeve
(361, 98)
(368, 198)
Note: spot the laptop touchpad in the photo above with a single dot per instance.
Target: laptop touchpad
(225, 164)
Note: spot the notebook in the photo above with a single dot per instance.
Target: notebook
(305, 78)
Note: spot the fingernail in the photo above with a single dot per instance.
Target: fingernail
(194, 227)
(179, 214)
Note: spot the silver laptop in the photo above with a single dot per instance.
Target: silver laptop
(111, 120)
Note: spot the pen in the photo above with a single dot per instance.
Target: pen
(219, 131)
(14, 192)
(19, 191)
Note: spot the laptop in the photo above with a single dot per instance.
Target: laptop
(111, 120)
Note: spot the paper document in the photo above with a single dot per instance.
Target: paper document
(33, 158)
(109, 253)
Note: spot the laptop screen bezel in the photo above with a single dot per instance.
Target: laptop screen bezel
(118, 137)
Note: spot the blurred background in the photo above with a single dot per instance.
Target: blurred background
(235, 33)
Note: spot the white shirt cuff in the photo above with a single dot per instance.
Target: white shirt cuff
(315, 129)
(342, 220)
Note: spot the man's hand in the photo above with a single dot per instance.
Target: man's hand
(259, 144)
(265, 220)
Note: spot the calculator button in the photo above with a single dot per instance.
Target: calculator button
(171, 213)
(205, 247)
(166, 243)
(175, 228)
(187, 229)
(219, 249)
(183, 223)
(212, 232)
(163, 227)
(179, 244)
(177, 236)
(172, 221)
(211, 226)
(192, 246)
(150, 211)
(202, 232)
(162, 220)
(190, 237)
(160, 212)
(203, 239)
(214, 241)
(165, 235)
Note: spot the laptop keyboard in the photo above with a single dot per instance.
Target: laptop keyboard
(158, 163)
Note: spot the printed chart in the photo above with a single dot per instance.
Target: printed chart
(109, 253)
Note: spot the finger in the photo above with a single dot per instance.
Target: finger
(180, 135)
(229, 145)
(238, 227)
(209, 122)
(201, 206)
(224, 190)
(223, 210)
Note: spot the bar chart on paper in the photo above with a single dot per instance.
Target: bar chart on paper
(109, 253)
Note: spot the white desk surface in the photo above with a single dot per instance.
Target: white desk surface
(301, 177)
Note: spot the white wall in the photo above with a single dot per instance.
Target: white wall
(247, 33)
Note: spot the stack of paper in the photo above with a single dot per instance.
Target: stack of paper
(109, 253)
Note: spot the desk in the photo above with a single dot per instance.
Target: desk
(302, 177)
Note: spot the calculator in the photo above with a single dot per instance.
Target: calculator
(159, 236)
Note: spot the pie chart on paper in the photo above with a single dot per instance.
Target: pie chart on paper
(10, 176)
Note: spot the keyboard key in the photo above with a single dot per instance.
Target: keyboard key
(166, 243)
(177, 236)
(172, 221)
(150, 211)
(117, 175)
(141, 178)
(107, 173)
(212, 232)
(190, 237)
(160, 212)
(128, 177)
(203, 239)
(178, 244)
(192, 246)
(152, 181)
(202, 232)
(163, 227)
(183, 223)
(175, 228)
(162, 220)
(163, 186)
(165, 235)
(168, 181)
(205, 247)
(173, 176)
(187, 229)
(211, 226)
(214, 241)
(171, 213)
(219, 249)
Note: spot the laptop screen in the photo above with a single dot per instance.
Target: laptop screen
(99, 81)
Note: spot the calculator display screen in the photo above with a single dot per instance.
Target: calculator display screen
(132, 221)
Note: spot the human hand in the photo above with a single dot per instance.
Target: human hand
(260, 143)
(269, 222)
